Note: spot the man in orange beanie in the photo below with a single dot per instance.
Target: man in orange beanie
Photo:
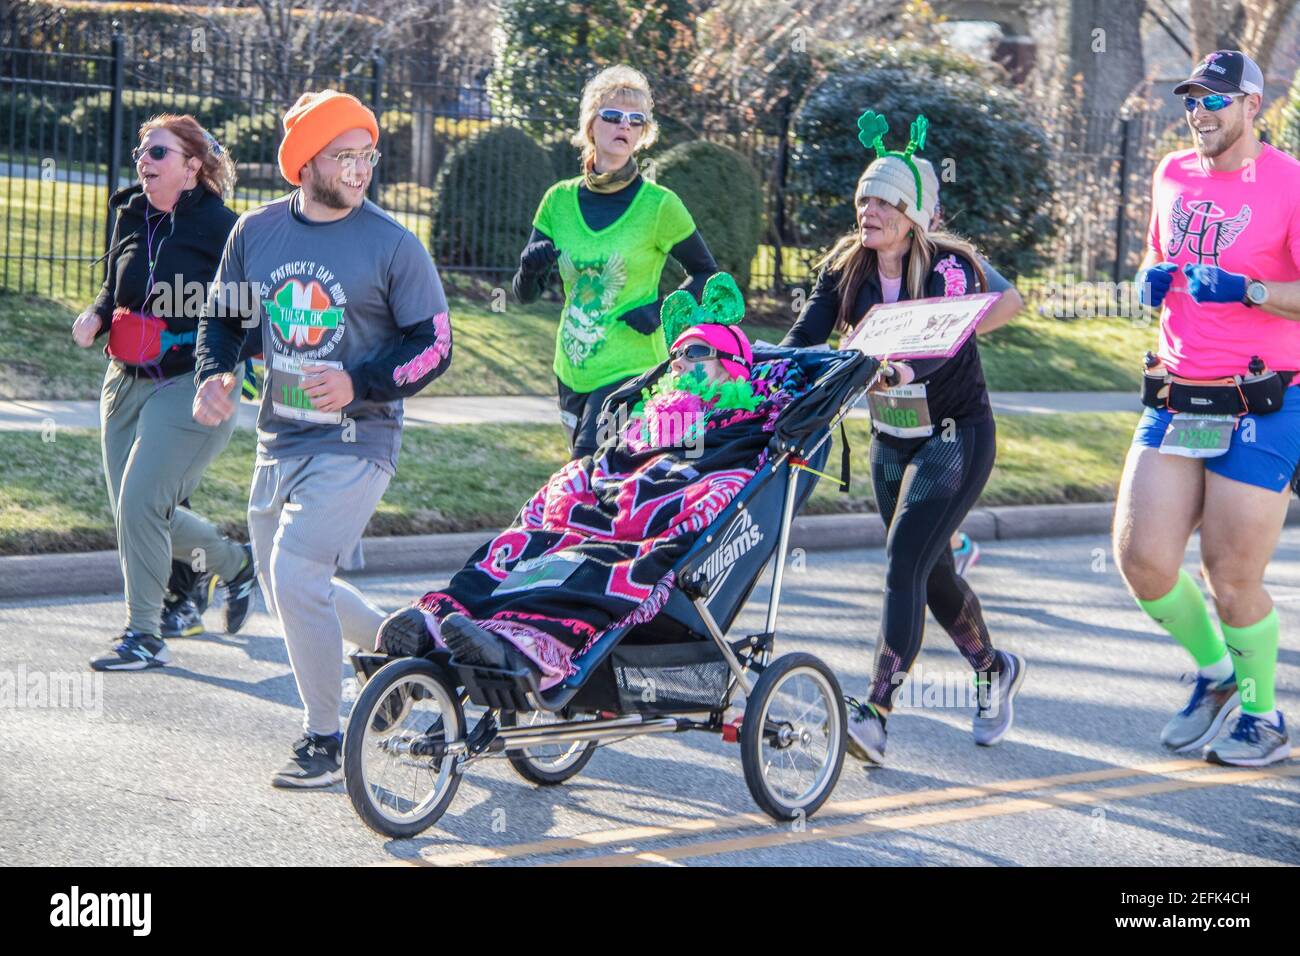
(353, 320)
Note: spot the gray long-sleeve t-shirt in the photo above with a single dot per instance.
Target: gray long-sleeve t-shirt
(359, 293)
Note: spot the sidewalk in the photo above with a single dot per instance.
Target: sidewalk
(35, 415)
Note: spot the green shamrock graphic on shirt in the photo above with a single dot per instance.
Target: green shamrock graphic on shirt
(592, 290)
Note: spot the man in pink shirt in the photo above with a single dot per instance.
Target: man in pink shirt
(1219, 443)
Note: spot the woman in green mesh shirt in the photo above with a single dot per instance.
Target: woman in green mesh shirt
(609, 232)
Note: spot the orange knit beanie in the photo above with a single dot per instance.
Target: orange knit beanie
(313, 122)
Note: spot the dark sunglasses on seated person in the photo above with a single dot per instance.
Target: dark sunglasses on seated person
(611, 115)
(698, 353)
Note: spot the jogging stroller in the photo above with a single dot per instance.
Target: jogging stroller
(408, 743)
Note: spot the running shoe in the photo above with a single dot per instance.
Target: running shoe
(995, 715)
(315, 763)
(204, 590)
(866, 736)
(1253, 742)
(965, 554)
(1198, 723)
(472, 645)
(405, 633)
(134, 652)
(180, 618)
(239, 593)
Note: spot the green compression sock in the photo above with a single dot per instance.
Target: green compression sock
(1254, 658)
(1182, 612)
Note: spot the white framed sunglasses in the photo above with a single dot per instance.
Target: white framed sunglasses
(615, 116)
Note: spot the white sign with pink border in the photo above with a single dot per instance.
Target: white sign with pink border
(920, 328)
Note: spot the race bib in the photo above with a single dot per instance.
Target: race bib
(1198, 436)
(903, 411)
(548, 571)
(288, 400)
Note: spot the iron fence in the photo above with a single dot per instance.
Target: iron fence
(71, 103)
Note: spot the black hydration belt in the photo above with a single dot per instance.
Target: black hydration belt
(1237, 395)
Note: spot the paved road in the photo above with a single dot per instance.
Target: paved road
(34, 415)
(174, 769)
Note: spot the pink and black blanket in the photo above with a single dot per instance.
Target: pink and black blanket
(595, 547)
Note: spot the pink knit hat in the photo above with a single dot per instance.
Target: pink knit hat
(727, 339)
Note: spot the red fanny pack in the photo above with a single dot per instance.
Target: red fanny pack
(141, 339)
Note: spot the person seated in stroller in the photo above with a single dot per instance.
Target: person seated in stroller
(595, 547)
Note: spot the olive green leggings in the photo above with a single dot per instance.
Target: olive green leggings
(154, 455)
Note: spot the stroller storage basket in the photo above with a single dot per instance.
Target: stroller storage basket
(667, 678)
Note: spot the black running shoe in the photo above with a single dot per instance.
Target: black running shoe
(471, 644)
(134, 652)
(203, 592)
(180, 618)
(239, 593)
(315, 763)
(405, 633)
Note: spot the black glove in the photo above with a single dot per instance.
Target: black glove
(538, 257)
(644, 319)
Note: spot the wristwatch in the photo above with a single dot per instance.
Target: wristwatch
(1256, 293)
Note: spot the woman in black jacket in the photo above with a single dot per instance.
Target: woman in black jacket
(928, 471)
(168, 238)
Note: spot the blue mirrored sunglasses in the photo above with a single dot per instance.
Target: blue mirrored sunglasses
(1213, 102)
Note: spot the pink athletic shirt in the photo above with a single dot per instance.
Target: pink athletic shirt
(1245, 221)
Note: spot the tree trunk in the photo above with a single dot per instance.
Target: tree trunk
(1105, 50)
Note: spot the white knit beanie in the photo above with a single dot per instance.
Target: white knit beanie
(891, 178)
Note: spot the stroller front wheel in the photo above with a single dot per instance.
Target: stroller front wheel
(406, 707)
(792, 737)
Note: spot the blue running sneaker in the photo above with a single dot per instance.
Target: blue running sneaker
(1209, 706)
(134, 652)
(1253, 742)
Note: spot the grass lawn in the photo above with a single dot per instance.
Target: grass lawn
(469, 477)
(507, 352)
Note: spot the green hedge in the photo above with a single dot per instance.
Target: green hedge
(724, 196)
(485, 197)
(992, 160)
(1287, 117)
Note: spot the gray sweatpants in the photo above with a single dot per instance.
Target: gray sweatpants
(154, 455)
(306, 517)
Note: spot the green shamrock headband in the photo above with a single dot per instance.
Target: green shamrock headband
(720, 304)
(872, 128)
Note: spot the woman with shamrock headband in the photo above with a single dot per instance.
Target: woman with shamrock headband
(924, 485)
(610, 232)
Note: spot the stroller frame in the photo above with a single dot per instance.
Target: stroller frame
(508, 694)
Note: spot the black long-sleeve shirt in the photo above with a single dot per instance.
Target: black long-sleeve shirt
(599, 211)
(186, 243)
(955, 387)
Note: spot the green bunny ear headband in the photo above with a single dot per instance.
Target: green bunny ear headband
(721, 304)
(872, 128)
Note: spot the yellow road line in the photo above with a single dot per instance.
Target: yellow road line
(911, 821)
(688, 828)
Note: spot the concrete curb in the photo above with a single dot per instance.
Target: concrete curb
(99, 572)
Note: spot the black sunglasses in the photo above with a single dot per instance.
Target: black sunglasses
(694, 352)
(156, 153)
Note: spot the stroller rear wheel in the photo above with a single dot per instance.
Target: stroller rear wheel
(792, 737)
(406, 706)
(546, 764)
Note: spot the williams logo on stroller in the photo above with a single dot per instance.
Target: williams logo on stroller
(742, 537)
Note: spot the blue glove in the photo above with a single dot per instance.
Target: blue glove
(1212, 284)
(1153, 283)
